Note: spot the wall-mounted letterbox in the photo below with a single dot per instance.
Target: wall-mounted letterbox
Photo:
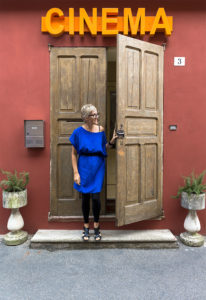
(34, 133)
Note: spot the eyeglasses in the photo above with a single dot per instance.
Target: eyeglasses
(94, 115)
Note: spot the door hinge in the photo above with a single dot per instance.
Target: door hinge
(160, 217)
(49, 47)
(164, 46)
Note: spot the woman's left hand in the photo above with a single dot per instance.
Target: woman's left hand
(114, 137)
(112, 141)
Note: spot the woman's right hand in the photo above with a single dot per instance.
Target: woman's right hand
(77, 178)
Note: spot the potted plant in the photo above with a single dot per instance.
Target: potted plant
(14, 196)
(192, 198)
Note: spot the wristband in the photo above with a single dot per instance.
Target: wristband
(111, 144)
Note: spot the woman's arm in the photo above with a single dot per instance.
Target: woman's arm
(74, 165)
(112, 141)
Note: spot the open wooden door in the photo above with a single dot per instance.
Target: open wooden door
(77, 77)
(140, 115)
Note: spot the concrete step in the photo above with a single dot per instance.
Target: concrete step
(72, 239)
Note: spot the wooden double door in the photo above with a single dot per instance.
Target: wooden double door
(77, 77)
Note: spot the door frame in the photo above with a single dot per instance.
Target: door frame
(103, 218)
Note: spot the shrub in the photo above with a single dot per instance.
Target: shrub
(192, 185)
(14, 182)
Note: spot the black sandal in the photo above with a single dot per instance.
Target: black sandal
(85, 234)
(97, 234)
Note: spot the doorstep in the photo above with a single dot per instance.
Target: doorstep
(71, 239)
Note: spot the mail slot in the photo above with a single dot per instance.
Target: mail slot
(34, 133)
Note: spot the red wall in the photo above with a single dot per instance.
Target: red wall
(24, 94)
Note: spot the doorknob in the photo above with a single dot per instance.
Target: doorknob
(120, 132)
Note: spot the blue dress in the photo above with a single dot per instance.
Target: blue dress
(91, 148)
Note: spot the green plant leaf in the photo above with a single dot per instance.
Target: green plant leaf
(192, 184)
(15, 182)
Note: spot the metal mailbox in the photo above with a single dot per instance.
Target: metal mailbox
(34, 133)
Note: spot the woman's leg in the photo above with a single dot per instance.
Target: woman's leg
(96, 206)
(86, 208)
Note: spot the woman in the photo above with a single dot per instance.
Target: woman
(90, 143)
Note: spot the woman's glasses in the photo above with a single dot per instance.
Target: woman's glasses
(94, 115)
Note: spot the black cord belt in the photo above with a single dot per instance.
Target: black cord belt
(92, 154)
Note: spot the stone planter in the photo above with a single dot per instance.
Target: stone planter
(15, 200)
(192, 224)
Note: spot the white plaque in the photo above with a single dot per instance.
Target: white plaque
(179, 61)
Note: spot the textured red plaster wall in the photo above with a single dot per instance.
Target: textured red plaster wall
(24, 94)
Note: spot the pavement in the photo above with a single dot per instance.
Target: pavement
(158, 274)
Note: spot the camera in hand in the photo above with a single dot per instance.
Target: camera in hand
(120, 133)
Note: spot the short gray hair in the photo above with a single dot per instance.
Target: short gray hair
(86, 110)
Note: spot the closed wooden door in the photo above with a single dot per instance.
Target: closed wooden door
(140, 114)
(77, 77)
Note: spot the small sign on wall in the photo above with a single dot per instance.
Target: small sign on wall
(173, 127)
(179, 61)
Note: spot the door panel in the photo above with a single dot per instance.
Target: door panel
(133, 165)
(77, 77)
(140, 113)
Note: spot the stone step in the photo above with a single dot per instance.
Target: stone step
(71, 239)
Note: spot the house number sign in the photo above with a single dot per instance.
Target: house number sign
(179, 61)
(108, 24)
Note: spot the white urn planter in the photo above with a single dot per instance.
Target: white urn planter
(192, 202)
(15, 200)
